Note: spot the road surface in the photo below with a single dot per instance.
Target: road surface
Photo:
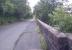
(19, 36)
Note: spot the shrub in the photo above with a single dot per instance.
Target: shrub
(62, 19)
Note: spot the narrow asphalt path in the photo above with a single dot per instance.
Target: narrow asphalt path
(19, 36)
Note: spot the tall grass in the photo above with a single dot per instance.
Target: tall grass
(42, 39)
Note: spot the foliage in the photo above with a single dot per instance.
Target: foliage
(17, 9)
(53, 13)
(43, 9)
(62, 19)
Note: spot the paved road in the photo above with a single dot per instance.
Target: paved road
(19, 36)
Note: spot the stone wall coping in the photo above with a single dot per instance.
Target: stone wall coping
(51, 29)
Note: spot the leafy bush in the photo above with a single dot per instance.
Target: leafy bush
(62, 19)
(11, 10)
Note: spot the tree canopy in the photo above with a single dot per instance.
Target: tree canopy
(55, 14)
(18, 9)
(44, 8)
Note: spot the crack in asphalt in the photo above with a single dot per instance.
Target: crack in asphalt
(20, 36)
(17, 41)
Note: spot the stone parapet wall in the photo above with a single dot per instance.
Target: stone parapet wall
(55, 39)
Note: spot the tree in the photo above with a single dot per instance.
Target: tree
(62, 19)
(22, 8)
(14, 10)
(43, 9)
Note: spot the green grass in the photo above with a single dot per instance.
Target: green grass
(43, 42)
(42, 39)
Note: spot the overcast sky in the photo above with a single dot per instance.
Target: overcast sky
(32, 3)
(70, 1)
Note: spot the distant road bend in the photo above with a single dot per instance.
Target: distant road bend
(19, 36)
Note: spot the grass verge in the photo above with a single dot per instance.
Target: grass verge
(42, 39)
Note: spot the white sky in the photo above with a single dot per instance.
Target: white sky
(32, 3)
(70, 1)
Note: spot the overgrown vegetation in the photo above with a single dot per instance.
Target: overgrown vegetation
(43, 9)
(54, 13)
(14, 10)
(62, 19)
(43, 42)
(42, 39)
